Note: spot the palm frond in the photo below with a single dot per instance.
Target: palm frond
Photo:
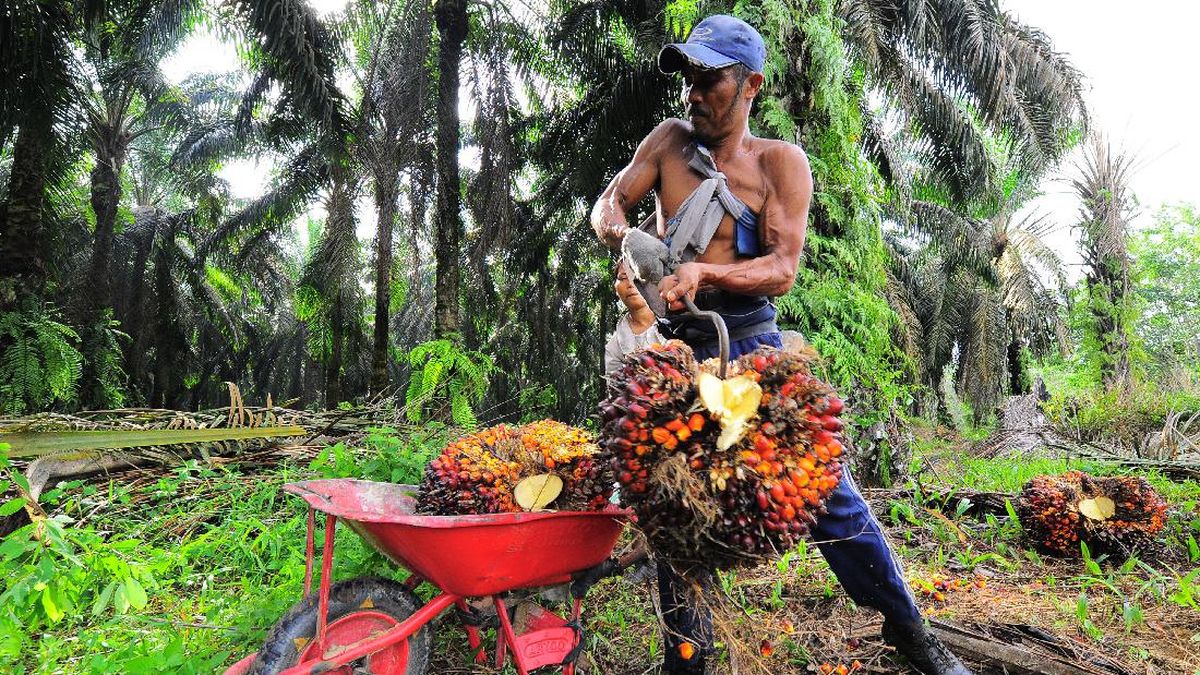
(300, 54)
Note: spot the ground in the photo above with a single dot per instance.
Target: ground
(218, 552)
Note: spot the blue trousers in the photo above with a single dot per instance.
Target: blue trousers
(849, 537)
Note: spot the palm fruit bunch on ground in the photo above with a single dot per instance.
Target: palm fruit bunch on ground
(722, 472)
(479, 473)
(1115, 515)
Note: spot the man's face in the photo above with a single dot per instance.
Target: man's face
(714, 101)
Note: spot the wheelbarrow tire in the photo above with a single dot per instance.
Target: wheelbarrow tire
(286, 641)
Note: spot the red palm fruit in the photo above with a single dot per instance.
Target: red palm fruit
(834, 405)
(778, 493)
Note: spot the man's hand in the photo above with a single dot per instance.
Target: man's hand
(611, 234)
(683, 283)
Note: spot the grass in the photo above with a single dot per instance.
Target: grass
(218, 556)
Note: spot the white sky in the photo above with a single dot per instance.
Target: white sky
(1140, 87)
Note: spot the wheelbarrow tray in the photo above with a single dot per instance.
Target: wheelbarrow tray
(474, 555)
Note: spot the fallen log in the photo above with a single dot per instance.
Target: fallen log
(1023, 650)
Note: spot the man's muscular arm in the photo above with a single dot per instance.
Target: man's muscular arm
(630, 185)
(784, 222)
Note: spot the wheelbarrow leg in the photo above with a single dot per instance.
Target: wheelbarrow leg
(576, 611)
(473, 635)
(309, 552)
(326, 574)
(507, 637)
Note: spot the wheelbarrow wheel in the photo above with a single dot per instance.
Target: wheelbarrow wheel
(357, 608)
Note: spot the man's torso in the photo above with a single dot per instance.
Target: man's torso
(747, 174)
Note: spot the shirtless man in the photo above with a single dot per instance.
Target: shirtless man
(751, 257)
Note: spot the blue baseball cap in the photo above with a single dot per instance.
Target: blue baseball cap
(716, 42)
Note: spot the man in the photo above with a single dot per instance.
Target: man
(742, 205)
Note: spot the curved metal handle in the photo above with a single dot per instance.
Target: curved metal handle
(722, 330)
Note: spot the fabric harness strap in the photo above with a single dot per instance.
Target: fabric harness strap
(701, 213)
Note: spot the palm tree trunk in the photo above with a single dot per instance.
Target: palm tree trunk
(385, 208)
(452, 29)
(1016, 369)
(22, 249)
(135, 321)
(106, 196)
(333, 367)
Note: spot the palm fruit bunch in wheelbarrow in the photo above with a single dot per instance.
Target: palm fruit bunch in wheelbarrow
(1115, 515)
(722, 471)
(501, 469)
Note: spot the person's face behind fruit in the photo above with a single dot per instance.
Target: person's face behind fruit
(628, 293)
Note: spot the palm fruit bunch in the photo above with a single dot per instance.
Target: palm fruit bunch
(722, 472)
(473, 474)
(1115, 515)
(571, 454)
(480, 473)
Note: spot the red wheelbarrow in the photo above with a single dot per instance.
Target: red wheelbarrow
(372, 625)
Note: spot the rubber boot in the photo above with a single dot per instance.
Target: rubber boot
(923, 649)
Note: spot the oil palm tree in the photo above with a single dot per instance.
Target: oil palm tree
(37, 88)
(1106, 207)
(976, 300)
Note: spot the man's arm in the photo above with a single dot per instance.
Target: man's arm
(630, 185)
(784, 222)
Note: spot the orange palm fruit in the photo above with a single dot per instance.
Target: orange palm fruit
(687, 650)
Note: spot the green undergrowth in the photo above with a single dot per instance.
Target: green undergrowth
(1093, 596)
(179, 575)
(186, 572)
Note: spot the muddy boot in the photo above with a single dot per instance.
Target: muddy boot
(923, 650)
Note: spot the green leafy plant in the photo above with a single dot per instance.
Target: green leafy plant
(447, 380)
(56, 573)
(40, 362)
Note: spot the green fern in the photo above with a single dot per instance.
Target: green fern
(444, 374)
(40, 362)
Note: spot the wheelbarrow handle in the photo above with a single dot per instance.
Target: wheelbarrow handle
(722, 330)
